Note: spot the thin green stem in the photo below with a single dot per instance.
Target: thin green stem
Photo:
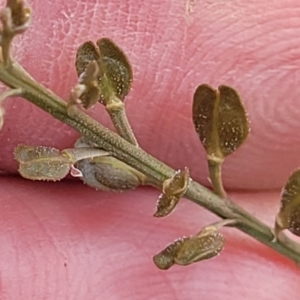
(76, 154)
(117, 113)
(215, 174)
(16, 77)
(3, 96)
(10, 93)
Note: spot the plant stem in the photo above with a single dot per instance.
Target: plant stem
(117, 113)
(15, 77)
(76, 154)
(215, 174)
(3, 96)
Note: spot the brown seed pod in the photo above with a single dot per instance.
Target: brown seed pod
(220, 120)
(173, 189)
(115, 72)
(289, 213)
(20, 13)
(86, 53)
(117, 67)
(221, 123)
(206, 244)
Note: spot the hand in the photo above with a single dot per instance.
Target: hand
(67, 241)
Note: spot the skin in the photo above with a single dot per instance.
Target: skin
(67, 241)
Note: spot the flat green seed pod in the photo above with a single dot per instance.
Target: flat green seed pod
(114, 76)
(25, 153)
(116, 67)
(42, 163)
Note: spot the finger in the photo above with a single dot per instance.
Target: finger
(70, 241)
(174, 46)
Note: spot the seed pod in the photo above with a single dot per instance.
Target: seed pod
(20, 15)
(86, 53)
(105, 75)
(42, 163)
(289, 214)
(173, 189)
(115, 72)
(204, 245)
(107, 172)
(221, 123)
(220, 120)
(116, 67)
(47, 163)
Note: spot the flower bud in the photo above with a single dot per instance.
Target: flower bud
(107, 172)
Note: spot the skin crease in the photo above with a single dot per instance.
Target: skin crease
(67, 241)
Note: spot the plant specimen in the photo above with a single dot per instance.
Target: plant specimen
(106, 160)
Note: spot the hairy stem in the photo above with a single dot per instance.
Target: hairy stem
(117, 113)
(15, 77)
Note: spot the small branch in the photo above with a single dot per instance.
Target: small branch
(6, 35)
(76, 154)
(16, 77)
(223, 223)
(10, 93)
(225, 208)
(117, 113)
(15, 19)
(283, 239)
(3, 96)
